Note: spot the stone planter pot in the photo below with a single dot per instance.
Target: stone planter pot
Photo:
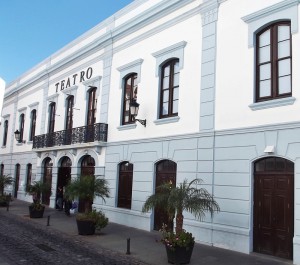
(36, 213)
(86, 227)
(181, 255)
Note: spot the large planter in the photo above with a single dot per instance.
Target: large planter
(85, 227)
(180, 255)
(36, 212)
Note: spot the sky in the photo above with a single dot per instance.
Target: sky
(32, 30)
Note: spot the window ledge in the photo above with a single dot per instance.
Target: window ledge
(166, 120)
(272, 103)
(3, 146)
(126, 127)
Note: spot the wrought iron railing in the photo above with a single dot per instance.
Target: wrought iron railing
(84, 134)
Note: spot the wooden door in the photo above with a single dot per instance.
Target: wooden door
(165, 173)
(274, 208)
(125, 185)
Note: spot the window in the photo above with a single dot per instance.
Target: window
(52, 110)
(2, 170)
(29, 174)
(32, 125)
(92, 106)
(169, 89)
(69, 116)
(21, 128)
(5, 130)
(274, 62)
(125, 185)
(130, 92)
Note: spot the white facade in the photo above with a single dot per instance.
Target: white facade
(223, 128)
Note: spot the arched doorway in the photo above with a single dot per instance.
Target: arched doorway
(63, 177)
(17, 179)
(165, 173)
(87, 169)
(47, 179)
(274, 207)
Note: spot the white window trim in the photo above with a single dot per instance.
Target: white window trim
(285, 10)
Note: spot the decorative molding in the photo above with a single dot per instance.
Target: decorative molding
(283, 10)
(166, 120)
(272, 103)
(132, 67)
(126, 127)
(22, 110)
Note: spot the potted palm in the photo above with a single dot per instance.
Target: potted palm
(86, 188)
(36, 189)
(5, 180)
(187, 196)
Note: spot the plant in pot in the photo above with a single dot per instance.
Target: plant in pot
(187, 196)
(36, 189)
(86, 188)
(5, 180)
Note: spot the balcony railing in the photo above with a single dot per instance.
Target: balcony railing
(84, 134)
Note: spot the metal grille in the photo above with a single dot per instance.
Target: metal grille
(84, 134)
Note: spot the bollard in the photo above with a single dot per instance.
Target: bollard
(48, 220)
(128, 246)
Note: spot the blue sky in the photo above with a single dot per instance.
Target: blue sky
(32, 30)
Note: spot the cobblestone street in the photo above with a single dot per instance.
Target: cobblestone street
(24, 242)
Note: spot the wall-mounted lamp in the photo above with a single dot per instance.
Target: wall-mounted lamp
(18, 137)
(134, 110)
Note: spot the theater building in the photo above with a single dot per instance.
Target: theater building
(218, 92)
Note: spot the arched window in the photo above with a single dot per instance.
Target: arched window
(125, 185)
(274, 62)
(17, 179)
(92, 106)
(129, 93)
(21, 126)
(2, 170)
(69, 115)
(48, 164)
(169, 89)
(52, 109)
(5, 130)
(32, 125)
(29, 174)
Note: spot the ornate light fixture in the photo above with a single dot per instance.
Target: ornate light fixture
(17, 135)
(134, 110)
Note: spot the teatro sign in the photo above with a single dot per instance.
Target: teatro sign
(71, 81)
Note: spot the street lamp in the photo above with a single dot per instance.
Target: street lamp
(17, 135)
(134, 110)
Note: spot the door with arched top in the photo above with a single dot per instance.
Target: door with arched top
(274, 207)
(165, 173)
(47, 178)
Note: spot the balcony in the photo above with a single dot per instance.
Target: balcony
(84, 134)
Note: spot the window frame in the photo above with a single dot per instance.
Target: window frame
(91, 106)
(32, 124)
(69, 113)
(52, 110)
(170, 63)
(21, 126)
(133, 89)
(5, 133)
(125, 176)
(274, 72)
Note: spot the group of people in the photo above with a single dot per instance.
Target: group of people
(64, 203)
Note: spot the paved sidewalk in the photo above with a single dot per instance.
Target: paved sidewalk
(144, 246)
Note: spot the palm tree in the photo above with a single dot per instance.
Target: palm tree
(37, 189)
(185, 197)
(5, 180)
(87, 188)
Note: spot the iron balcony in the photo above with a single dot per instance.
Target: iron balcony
(84, 134)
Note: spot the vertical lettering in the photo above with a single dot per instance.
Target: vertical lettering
(74, 78)
(89, 72)
(68, 82)
(56, 85)
(81, 76)
(62, 85)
